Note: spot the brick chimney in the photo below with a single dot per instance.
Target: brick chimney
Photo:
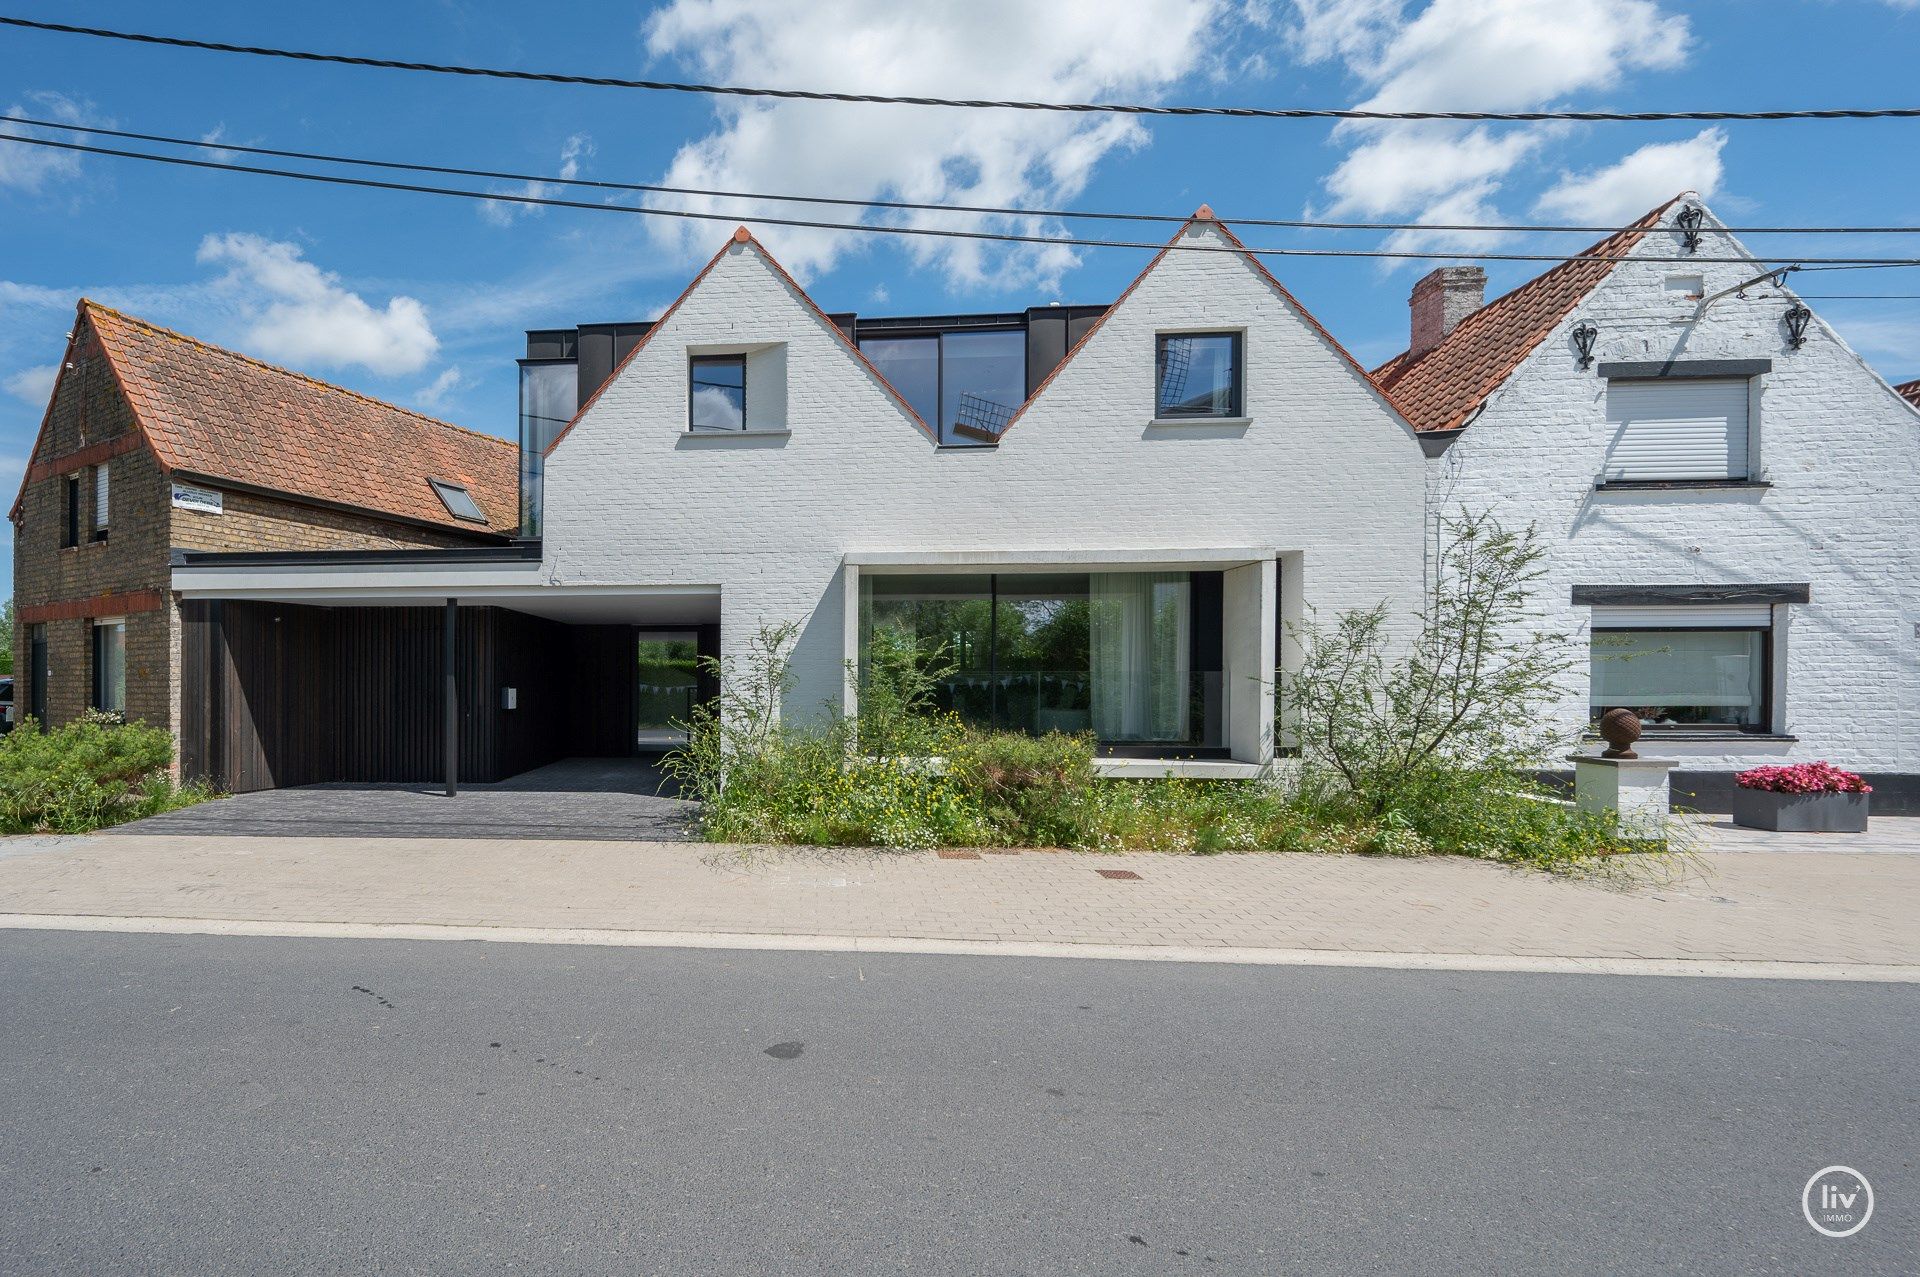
(1441, 300)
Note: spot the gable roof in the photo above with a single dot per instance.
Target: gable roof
(1440, 388)
(741, 235)
(212, 412)
(1909, 391)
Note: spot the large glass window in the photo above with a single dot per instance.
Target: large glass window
(911, 366)
(1198, 375)
(1118, 654)
(973, 379)
(668, 686)
(110, 666)
(983, 380)
(717, 398)
(549, 395)
(1682, 678)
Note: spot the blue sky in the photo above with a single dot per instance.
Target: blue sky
(423, 300)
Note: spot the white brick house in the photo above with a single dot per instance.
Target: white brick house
(1731, 516)
(1306, 490)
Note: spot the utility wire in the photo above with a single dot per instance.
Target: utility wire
(334, 179)
(907, 205)
(809, 95)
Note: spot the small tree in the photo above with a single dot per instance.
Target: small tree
(1471, 693)
(741, 725)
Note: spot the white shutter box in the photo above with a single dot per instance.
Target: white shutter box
(1691, 616)
(1679, 428)
(100, 486)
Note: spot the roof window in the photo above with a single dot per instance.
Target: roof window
(459, 502)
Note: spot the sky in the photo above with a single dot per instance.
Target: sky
(424, 300)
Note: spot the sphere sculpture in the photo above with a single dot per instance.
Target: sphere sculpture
(1620, 728)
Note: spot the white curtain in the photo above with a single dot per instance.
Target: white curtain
(1140, 655)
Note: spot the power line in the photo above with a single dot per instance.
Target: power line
(1008, 237)
(811, 95)
(907, 205)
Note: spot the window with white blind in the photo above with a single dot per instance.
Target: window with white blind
(1699, 666)
(101, 486)
(1676, 429)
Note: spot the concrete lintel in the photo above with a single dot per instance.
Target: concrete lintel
(1143, 558)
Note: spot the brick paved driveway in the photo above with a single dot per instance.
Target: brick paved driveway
(580, 798)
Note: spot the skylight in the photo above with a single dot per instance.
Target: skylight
(459, 502)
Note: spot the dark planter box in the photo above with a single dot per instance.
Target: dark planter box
(1800, 813)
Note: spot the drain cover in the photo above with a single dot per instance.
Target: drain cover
(1125, 875)
(948, 853)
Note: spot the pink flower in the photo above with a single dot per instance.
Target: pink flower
(1803, 778)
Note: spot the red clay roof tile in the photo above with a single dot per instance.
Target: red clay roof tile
(1909, 391)
(1440, 389)
(213, 412)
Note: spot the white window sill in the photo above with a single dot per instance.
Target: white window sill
(1190, 768)
(1200, 421)
(723, 436)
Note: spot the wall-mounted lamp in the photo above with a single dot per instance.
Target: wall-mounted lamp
(1688, 220)
(1797, 317)
(1583, 338)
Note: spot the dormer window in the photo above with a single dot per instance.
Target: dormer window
(1198, 375)
(717, 392)
(459, 502)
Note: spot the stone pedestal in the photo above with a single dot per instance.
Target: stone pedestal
(1635, 789)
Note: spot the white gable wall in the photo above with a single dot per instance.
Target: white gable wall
(1325, 473)
(1841, 450)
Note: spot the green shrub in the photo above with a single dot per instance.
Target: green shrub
(93, 772)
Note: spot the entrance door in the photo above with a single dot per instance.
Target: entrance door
(666, 688)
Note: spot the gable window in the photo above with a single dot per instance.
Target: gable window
(1684, 666)
(110, 666)
(717, 392)
(101, 486)
(458, 500)
(1198, 375)
(70, 513)
(1676, 429)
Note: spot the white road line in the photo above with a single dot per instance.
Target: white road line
(1714, 968)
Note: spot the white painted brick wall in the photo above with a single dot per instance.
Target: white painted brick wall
(1326, 469)
(1840, 448)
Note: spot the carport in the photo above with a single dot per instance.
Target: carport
(410, 667)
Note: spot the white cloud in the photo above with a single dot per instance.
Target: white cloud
(1062, 50)
(33, 386)
(431, 395)
(33, 168)
(1620, 192)
(294, 312)
(504, 212)
(1491, 55)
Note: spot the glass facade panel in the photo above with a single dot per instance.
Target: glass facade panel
(1111, 653)
(983, 381)
(549, 394)
(1199, 375)
(1682, 678)
(717, 398)
(911, 366)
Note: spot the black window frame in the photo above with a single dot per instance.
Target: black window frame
(1237, 407)
(70, 525)
(694, 364)
(441, 487)
(1762, 728)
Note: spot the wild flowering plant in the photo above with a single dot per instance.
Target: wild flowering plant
(1803, 778)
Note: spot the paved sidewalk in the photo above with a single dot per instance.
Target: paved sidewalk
(1793, 900)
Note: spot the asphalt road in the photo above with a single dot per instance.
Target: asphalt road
(199, 1105)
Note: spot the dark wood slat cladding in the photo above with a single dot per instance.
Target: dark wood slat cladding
(277, 694)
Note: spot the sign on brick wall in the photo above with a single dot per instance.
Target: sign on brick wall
(205, 500)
